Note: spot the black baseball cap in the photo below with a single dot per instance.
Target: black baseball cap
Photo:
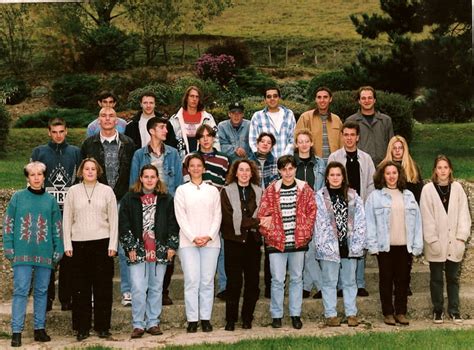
(236, 107)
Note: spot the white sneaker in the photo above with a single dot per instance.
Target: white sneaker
(456, 318)
(127, 299)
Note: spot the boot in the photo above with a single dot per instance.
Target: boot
(16, 340)
(40, 335)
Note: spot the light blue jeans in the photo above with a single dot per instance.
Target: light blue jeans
(278, 263)
(330, 273)
(221, 276)
(360, 272)
(22, 276)
(124, 271)
(199, 268)
(146, 279)
(312, 271)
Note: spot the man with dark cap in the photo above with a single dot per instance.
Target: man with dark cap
(234, 133)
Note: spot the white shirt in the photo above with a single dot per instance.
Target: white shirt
(277, 118)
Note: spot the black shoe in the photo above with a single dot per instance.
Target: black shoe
(246, 324)
(267, 293)
(318, 295)
(82, 335)
(306, 294)
(362, 292)
(296, 322)
(192, 327)
(221, 295)
(230, 326)
(166, 300)
(276, 322)
(104, 334)
(206, 326)
(16, 340)
(49, 305)
(66, 307)
(40, 335)
(339, 293)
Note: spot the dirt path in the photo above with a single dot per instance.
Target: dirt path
(180, 337)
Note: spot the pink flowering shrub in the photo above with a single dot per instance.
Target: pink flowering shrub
(218, 68)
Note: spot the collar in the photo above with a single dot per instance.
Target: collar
(57, 146)
(110, 139)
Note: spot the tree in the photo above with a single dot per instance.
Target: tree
(442, 62)
(100, 11)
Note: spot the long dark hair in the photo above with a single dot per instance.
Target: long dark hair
(345, 182)
(379, 176)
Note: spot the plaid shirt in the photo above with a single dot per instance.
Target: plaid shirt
(261, 122)
(269, 172)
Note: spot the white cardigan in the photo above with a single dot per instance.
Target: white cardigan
(198, 212)
(442, 230)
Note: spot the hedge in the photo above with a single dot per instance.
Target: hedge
(75, 118)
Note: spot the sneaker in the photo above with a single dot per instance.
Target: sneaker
(438, 317)
(333, 321)
(456, 318)
(127, 299)
(362, 292)
(352, 321)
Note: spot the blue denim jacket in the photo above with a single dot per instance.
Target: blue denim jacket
(173, 174)
(325, 231)
(319, 169)
(230, 138)
(377, 212)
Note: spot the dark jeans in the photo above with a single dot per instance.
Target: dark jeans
(93, 271)
(66, 280)
(393, 278)
(167, 279)
(242, 264)
(451, 270)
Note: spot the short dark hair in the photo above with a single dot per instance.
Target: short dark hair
(202, 128)
(345, 181)
(268, 134)
(351, 125)
(106, 94)
(271, 88)
(283, 161)
(364, 88)
(56, 121)
(323, 88)
(148, 94)
(191, 156)
(379, 178)
(184, 101)
(152, 122)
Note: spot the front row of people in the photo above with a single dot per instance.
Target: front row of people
(289, 215)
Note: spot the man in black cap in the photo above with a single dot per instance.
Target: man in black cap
(234, 133)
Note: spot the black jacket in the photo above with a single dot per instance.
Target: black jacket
(133, 131)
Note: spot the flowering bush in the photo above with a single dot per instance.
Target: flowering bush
(218, 68)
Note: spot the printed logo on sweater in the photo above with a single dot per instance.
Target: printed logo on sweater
(59, 178)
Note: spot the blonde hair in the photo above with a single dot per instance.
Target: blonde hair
(306, 132)
(408, 164)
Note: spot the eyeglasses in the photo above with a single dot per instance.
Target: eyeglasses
(272, 96)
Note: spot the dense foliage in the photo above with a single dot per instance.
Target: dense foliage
(217, 68)
(75, 118)
(75, 91)
(4, 128)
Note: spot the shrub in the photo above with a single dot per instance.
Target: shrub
(335, 80)
(252, 81)
(75, 118)
(75, 91)
(255, 103)
(217, 68)
(235, 48)
(4, 128)
(397, 106)
(13, 91)
(294, 90)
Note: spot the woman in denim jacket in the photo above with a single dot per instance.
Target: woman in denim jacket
(340, 238)
(393, 233)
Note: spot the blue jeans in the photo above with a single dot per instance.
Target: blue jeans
(312, 271)
(124, 271)
(278, 262)
(221, 276)
(199, 268)
(147, 290)
(360, 272)
(22, 275)
(331, 270)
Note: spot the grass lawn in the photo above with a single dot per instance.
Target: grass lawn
(429, 140)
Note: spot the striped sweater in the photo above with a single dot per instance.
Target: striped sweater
(217, 165)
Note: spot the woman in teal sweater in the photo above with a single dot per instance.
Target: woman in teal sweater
(32, 240)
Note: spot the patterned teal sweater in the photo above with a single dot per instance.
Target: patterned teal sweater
(32, 230)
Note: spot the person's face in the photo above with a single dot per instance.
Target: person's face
(272, 99)
(350, 138)
(335, 177)
(107, 119)
(206, 141)
(193, 99)
(89, 172)
(36, 179)
(323, 100)
(195, 168)
(148, 105)
(397, 151)
(57, 133)
(442, 171)
(304, 144)
(236, 117)
(149, 179)
(264, 146)
(107, 102)
(367, 100)
(244, 174)
(159, 131)
(288, 174)
(391, 176)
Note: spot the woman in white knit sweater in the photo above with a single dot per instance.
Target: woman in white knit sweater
(90, 237)
(198, 212)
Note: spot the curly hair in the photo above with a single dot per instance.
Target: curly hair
(379, 176)
(232, 175)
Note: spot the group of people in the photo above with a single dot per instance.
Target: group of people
(314, 196)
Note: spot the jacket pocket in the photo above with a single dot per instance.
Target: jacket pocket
(459, 248)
